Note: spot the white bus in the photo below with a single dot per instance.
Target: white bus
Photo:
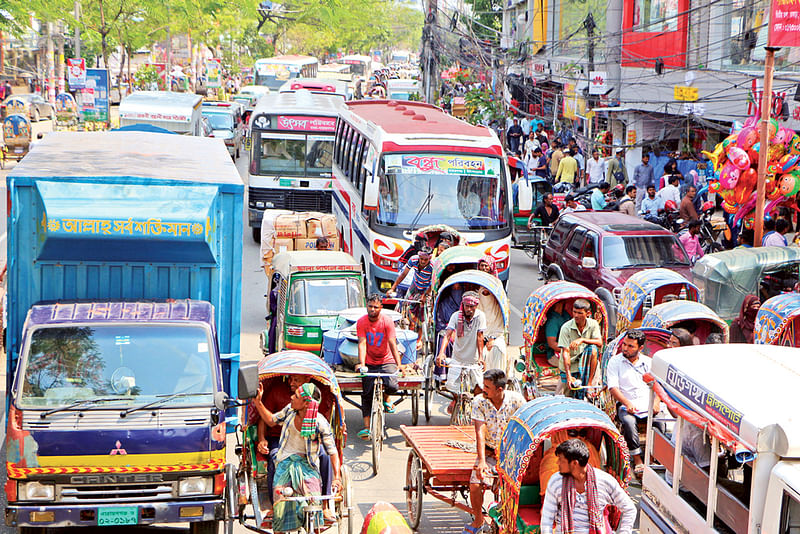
(275, 71)
(291, 153)
(359, 65)
(399, 166)
(317, 86)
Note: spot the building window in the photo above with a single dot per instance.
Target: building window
(655, 16)
(571, 32)
(746, 27)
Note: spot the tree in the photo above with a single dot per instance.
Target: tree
(487, 19)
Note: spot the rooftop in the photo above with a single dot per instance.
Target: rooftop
(612, 221)
(411, 117)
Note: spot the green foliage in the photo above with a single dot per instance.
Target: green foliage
(482, 106)
(145, 76)
(487, 21)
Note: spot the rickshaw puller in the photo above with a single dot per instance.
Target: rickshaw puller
(377, 353)
(303, 431)
(490, 415)
(420, 285)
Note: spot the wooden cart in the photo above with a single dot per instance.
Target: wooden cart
(407, 386)
(436, 468)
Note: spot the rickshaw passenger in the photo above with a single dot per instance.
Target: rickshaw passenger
(490, 415)
(449, 304)
(577, 500)
(549, 464)
(578, 336)
(303, 432)
(627, 387)
(420, 285)
(743, 327)
(680, 337)
(556, 317)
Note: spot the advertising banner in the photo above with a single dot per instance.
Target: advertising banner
(307, 124)
(213, 73)
(94, 105)
(784, 23)
(76, 73)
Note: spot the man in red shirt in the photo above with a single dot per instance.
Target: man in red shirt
(377, 353)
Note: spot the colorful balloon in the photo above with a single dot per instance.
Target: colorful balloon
(788, 163)
(794, 147)
(729, 176)
(788, 185)
(747, 138)
(738, 157)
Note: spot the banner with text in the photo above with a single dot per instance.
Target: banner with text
(784, 23)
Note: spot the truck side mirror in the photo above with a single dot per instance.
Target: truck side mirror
(248, 381)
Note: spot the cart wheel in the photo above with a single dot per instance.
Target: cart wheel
(254, 501)
(232, 496)
(344, 512)
(428, 385)
(414, 407)
(415, 485)
(376, 437)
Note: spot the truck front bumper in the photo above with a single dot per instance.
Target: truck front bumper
(82, 515)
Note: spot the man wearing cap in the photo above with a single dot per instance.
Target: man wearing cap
(465, 329)
(616, 173)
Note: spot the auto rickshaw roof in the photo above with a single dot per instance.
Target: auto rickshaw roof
(642, 283)
(774, 316)
(743, 266)
(314, 261)
(129, 154)
(719, 384)
(668, 314)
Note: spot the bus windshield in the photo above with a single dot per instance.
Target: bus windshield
(292, 154)
(465, 192)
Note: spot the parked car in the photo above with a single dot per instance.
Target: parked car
(31, 105)
(225, 119)
(601, 250)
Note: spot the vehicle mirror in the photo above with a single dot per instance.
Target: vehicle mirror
(248, 381)
(220, 400)
(588, 263)
(520, 366)
(371, 192)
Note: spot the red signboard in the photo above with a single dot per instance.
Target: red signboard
(784, 23)
(307, 124)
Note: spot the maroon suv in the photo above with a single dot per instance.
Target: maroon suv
(602, 249)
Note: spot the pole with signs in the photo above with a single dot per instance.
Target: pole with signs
(763, 149)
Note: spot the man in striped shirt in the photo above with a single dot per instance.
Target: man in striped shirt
(420, 286)
(575, 501)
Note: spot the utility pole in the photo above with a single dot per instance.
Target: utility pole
(590, 25)
(77, 30)
(168, 73)
(766, 106)
(51, 71)
(429, 48)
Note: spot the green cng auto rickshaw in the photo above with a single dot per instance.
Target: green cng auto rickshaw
(726, 278)
(305, 294)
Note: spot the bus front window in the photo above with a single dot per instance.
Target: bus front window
(465, 192)
(320, 155)
(282, 154)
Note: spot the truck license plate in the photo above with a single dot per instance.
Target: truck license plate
(118, 515)
(17, 151)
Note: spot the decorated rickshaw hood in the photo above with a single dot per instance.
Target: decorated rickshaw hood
(669, 313)
(774, 317)
(534, 315)
(642, 283)
(458, 255)
(485, 280)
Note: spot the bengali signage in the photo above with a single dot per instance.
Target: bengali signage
(306, 124)
(94, 105)
(784, 23)
(710, 403)
(435, 164)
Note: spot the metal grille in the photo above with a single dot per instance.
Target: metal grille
(116, 493)
(291, 199)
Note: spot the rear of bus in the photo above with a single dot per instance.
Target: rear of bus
(420, 167)
(275, 71)
(291, 154)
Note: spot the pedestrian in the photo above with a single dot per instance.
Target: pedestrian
(514, 137)
(643, 177)
(744, 326)
(616, 173)
(572, 144)
(530, 143)
(626, 384)
(538, 163)
(578, 500)
(525, 124)
(567, 171)
(627, 204)
(691, 240)
(595, 168)
(745, 238)
(491, 412)
(598, 196)
(579, 337)
(541, 134)
(465, 329)
(687, 210)
(377, 353)
(651, 205)
(671, 192)
(546, 212)
(581, 161)
(555, 158)
(776, 237)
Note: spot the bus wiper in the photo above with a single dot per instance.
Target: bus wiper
(80, 403)
(162, 400)
(425, 204)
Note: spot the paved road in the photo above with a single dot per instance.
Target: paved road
(388, 485)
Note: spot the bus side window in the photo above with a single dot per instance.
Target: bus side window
(362, 166)
(337, 144)
(348, 150)
(355, 173)
(790, 515)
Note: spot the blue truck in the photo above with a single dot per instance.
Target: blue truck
(124, 306)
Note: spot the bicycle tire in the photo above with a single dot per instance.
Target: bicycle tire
(376, 425)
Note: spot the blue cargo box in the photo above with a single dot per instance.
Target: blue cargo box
(122, 216)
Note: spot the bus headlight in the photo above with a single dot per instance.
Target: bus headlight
(36, 491)
(196, 486)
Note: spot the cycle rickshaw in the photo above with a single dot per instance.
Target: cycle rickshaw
(649, 288)
(16, 137)
(697, 318)
(275, 372)
(533, 364)
(778, 321)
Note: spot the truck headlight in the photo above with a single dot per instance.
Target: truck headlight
(196, 486)
(36, 491)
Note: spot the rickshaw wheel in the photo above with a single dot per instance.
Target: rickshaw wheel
(428, 385)
(344, 511)
(376, 437)
(415, 485)
(414, 407)
(232, 496)
(254, 500)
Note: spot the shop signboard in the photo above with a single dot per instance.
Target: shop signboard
(213, 73)
(597, 83)
(94, 104)
(784, 23)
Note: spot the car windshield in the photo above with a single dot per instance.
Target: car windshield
(324, 296)
(219, 121)
(643, 251)
(137, 363)
(465, 192)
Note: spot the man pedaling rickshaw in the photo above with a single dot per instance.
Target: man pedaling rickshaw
(297, 457)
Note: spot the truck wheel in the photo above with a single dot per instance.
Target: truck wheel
(257, 234)
(204, 527)
(32, 530)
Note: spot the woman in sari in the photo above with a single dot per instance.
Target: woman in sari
(303, 431)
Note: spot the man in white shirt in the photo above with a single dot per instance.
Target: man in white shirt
(595, 168)
(671, 191)
(576, 500)
(627, 387)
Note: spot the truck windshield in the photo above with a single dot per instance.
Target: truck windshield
(620, 252)
(220, 121)
(138, 363)
(324, 297)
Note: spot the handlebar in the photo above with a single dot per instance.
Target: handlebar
(379, 375)
(449, 362)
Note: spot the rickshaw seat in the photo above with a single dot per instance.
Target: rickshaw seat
(529, 495)
(530, 515)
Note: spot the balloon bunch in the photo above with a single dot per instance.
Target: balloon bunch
(735, 162)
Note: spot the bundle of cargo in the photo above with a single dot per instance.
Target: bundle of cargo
(284, 230)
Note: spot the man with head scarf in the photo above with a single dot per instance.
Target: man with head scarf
(743, 327)
(465, 330)
(487, 265)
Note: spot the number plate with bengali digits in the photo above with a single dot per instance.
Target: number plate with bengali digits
(118, 515)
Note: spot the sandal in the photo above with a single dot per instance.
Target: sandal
(388, 407)
(469, 529)
(364, 434)
(638, 471)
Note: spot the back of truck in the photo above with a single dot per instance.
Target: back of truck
(124, 304)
